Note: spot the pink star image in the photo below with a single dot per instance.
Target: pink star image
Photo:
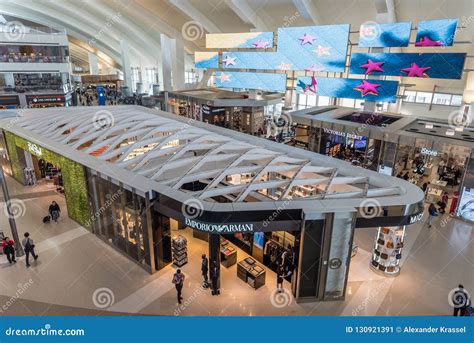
(229, 61)
(224, 77)
(322, 50)
(371, 66)
(426, 41)
(284, 66)
(368, 88)
(260, 44)
(415, 71)
(307, 39)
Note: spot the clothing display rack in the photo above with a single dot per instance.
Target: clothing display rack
(251, 272)
(179, 246)
(29, 176)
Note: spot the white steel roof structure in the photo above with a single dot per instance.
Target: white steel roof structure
(173, 152)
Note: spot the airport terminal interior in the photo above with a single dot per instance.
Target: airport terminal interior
(287, 157)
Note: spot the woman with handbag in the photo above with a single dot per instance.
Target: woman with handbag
(432, 212)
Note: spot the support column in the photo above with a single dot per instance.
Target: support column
(178, 64)
(166, 62)
(215, 262)
(126, 69)
(9, 79)
(388, 250)
(93, 63)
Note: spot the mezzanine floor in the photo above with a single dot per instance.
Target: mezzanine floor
(74, 264)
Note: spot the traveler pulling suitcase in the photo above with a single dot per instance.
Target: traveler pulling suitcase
(46, 219)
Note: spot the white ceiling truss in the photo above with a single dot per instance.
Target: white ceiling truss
(177, 154)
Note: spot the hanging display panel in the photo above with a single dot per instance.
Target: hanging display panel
(371, 90)
(436, 65)
(248, 40)
(263, 81)
(206, 59)
(375, 35)
(436, 32)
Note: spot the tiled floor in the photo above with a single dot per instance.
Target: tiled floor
(77, 273)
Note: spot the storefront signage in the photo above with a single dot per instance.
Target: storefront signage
(340, 133)
(218, 228)
(212, 110)
(34, 149)
(45, 99)
(416, 218)
(426, 151)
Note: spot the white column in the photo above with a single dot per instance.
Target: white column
(177, 59)
(9, 79)
(126, 69)
(93, 63)
(166, 62)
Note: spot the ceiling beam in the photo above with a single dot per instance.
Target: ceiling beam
(247, 14)
(308, 10)
(385, 11)
(192, 12)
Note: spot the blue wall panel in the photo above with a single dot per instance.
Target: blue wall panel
(374, 35)
(441, 65)
(263, 81)
(386, 91)
(248, 40)
(206, 59)
(324, 49)
(436, 32)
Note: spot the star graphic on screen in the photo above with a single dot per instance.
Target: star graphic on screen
(322, 50)
(229, 61)
(224, 77)
(426, 41)
(368, 88)
(307, 39)
(284, 66)
(415, 71)
(371, 66)
(260, 44)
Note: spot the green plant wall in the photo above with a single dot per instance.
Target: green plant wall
(17, 170)
(73, 174)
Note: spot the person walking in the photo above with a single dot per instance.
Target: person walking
(178, 280)
(280, 272)
(29, 247)
(8, 247)
(54, 211)
(205, 269)
(432, 212)
(461, 301)
(215, 278)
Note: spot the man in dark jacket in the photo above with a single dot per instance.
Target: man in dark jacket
(205, 269)
(29, 247)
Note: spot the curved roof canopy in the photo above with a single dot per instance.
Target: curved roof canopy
(206, 162)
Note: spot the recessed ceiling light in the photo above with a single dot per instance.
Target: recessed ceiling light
(428, 126)
(450, 132)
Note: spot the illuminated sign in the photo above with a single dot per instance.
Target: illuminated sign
(34, 149)
(340, 133)
(218, 228)
(416, 218)
(426, 151)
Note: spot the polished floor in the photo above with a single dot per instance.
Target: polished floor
(77, 273)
